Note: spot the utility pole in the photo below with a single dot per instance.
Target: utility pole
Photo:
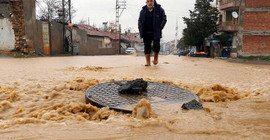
(66, 20)
(50, 28)
(63, 22)
(176, 34)
(120, 5)
(119, 39)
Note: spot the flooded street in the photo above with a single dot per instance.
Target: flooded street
(43, 98)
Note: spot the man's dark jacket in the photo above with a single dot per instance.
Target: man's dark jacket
(160, 20)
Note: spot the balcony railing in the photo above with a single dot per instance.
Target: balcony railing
(230, 23)
(231, 26)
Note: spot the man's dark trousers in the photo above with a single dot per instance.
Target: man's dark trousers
(148, 40)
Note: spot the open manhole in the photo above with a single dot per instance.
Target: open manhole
(106, 94)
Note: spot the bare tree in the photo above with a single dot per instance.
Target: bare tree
(47, 9)
(82, 21)
(51, 10)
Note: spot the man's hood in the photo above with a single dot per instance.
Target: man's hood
(155, 2)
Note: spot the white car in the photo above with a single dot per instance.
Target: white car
(130, 51)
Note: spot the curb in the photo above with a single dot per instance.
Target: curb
(249, 62)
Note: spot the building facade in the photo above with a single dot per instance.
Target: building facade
(248, 23)
(92, 41)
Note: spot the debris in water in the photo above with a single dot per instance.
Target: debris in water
(133, 87)
(207, 109)
(5, 105)
(218, 93)
(103, 113)
(13, 97)
(166, 63)
(257, 93)
(142, 109)
(87, 68)
(79, 84)
(192, 105)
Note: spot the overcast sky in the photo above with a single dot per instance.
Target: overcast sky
(99, 11)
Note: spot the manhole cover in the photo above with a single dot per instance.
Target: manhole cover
(106, 94)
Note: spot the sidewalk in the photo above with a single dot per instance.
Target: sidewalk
(249, 61)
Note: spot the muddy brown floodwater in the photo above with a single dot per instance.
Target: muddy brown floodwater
(43, 98)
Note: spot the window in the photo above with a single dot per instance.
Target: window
(230, 20)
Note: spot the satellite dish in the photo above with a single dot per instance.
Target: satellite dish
(235, 14)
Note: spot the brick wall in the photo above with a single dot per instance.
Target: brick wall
(257, 3)
(257, 21)
(256, 44)
(18, 24)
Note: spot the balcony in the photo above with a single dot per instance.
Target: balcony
(229, 26)
(226, 4)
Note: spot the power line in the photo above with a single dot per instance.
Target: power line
(131, 13)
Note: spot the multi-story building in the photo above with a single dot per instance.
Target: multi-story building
(248, 23)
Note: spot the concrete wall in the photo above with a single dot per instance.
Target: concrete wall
(24, 26)
(98, 49)
(89, 48)
(7, 37)
(80, 40)
(30, 35)
(56, 38)
(30, 29)
(88, 45)
(29, 8)
(4, 10)
(106, 41)
(39, 38)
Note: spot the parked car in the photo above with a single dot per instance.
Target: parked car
(140, 50)
(130, 51)
(181, 53)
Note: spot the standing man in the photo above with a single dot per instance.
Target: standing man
(151, 22)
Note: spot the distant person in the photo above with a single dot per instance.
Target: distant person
(151, 22)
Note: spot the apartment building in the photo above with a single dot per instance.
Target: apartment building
(247, 21)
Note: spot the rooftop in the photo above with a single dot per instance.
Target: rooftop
(92, 31)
